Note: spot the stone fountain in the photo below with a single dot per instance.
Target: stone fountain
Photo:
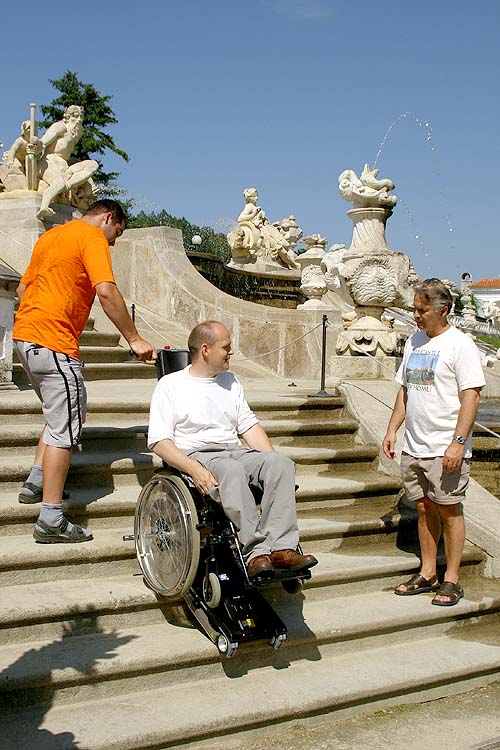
(374, 276)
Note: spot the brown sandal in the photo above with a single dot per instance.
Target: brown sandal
(453, 590)
(418, 585)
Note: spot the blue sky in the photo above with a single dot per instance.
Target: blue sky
(283, 95)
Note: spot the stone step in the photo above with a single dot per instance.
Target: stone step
(97, 507)
(349, 459)
(163, 655)
(106, 505)
(98, 338)
(329, 491)
(297, 407)
(382, 564)
(114, 507)
(91, 354)
(486, 449)
(309, 432)
(246, 698)
(121, 428)
(100, 371)
(23, 560)
(23, 407)
(97, 465)
(99, 468)
(121, 433)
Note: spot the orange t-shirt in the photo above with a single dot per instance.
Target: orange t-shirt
(66, 264)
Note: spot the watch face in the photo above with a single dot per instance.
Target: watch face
(459, 439)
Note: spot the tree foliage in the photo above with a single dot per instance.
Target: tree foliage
(459, 304)
(212, 242)
(98, 114)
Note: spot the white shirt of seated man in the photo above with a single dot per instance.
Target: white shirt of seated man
(203, 404)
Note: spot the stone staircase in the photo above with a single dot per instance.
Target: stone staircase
(104, 358)
(90, 658)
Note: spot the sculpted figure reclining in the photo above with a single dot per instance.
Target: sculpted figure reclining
(56, 173)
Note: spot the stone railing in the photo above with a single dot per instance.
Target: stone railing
(478, 326)
(274, 289)
(152, 269)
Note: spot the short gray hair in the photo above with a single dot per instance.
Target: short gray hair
(205, 332)
(435, 292)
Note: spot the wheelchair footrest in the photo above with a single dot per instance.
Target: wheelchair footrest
(282, 575)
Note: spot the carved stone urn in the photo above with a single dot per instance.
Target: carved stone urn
(312, 278)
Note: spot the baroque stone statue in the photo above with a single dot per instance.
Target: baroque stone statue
(56, 177)
(256, 241)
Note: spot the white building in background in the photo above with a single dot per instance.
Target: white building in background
(486, 293)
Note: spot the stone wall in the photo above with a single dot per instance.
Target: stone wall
(152, 269)
(20, 229)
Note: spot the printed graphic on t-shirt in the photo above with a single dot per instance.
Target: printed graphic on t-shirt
(421, 370)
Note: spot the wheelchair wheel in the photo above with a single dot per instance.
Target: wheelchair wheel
(292, 585)
(166, 538)
(212, 591)
(226, 647)
(278, 640)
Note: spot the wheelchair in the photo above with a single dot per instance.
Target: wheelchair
(188, 550)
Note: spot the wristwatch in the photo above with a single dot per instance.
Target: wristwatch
(459, 439)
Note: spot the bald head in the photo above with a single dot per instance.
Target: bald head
(210, 347)
(207, 332)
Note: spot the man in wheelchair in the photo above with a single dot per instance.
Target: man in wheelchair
(197, 415)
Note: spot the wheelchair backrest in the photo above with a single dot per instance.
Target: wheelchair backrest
(171, 360)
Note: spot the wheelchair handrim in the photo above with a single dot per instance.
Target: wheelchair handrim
(167, 540)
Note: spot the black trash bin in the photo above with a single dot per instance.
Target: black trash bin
(171, 360)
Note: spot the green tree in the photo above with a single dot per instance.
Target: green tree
(459, 305)
(214, 243)
(98, 114)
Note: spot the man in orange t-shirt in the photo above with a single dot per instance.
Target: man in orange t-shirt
(70, 264)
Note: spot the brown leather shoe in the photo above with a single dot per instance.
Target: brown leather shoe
(260, 566)
(290, 559)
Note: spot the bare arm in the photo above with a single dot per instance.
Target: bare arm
(114, 306)
(20, 290)
(454, 453)
(170, 453)
(256, 437)
(397, 418)
(53, 133)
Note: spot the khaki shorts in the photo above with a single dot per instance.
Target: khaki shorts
(58, 382)
(424, 477)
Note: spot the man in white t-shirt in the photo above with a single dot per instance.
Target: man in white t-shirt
(441, 378)
(196, 418)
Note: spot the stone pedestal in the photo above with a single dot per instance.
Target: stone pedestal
(363, 368)
(8, 283)
(368, 233)
(20, 228)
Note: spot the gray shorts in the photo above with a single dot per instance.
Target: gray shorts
(58, 382)
(424, 477)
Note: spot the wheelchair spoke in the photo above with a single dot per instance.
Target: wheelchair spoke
(166, 536)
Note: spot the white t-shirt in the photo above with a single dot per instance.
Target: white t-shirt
(435, 370)
(196, 412)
